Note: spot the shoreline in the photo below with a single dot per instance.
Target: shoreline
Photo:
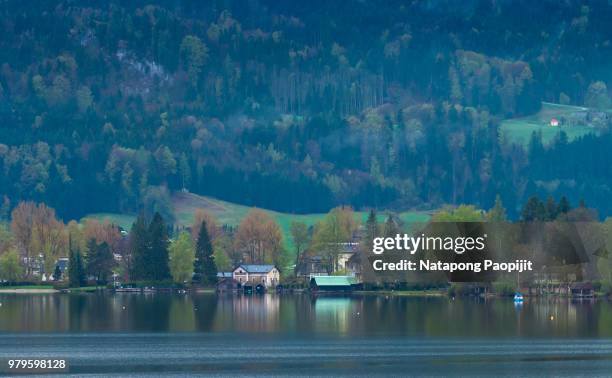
(382, 293)
(29, 291)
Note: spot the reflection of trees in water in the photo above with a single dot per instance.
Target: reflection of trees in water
(390, 316)
(205, 310)
(76, 309)
(149, 312)
(182, 314)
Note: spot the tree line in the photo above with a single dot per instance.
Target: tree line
(153, 252)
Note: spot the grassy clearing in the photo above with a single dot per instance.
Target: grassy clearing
(185, 205)
(33, 287)
(519, 130)
(123, 220)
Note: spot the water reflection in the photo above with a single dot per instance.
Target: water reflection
(303, 314)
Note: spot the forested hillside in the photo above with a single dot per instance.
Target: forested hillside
(299, 106)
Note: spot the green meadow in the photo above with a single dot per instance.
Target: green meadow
(519, 130)
(185, 205)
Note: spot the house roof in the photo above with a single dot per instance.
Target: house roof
(224, 274)
(334, 280)
(63, 264)
(582, 286)
(253, 268)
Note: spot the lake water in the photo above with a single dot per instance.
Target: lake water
(163, 334)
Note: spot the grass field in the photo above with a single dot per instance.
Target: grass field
(185, 205)
(519, 130)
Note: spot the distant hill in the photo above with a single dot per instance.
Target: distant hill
(185, 205)
(299, 107)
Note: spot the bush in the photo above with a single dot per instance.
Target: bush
(26, 283)
(504, 289)
(457, 290)
(60, 285)
(597, 285)
(606, 287)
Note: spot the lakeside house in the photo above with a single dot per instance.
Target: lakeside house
(582, 290)
(347, 261)
(333, 283)
(254, 275)
(349, 250)
(311, 266)
(62, 264)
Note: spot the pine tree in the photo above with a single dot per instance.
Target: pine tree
(564, 206)
(551, 209)
(371, 226)
(76, 271)
(156, 260)
(72, 270)
(533, 210)
(204, 267)
(57, 273)
(139, 248)
(82, 277)
(391, 227)
(300, 236)
(497, 212)
(100, 260)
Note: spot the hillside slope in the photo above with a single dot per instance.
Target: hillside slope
(185, 205)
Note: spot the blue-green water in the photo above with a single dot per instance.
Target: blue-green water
(134, 334)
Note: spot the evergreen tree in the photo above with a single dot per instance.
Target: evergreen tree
(564, 206)
(300, 236)
(100, 260)
(371, 226)
(533, 210)
(391, 227)
(497, 212)
(156, 260)
(205, 269)
(57, 273)
(550, 209)
(139, 248)
(76, 271)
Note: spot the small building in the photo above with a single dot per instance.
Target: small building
(311, 266)
(554, 122)
(353, 266)
(582, 290)
(266, 275)
(333, 283)
(225, 282)
(62, 263)
(349, 250)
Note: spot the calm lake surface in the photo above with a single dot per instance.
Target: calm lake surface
(165, 334)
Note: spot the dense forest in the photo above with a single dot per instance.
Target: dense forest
(298, 106)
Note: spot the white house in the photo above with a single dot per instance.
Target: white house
(554, 122)
(267, 275)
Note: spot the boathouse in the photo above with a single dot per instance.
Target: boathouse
(333, 283)
(582, 290)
